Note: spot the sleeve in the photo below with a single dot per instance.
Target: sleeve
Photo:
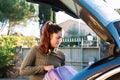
(63, 61)
(27, 67)
(62, 56)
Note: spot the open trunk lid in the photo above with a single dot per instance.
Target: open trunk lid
(99, 16)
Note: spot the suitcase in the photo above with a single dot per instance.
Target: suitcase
(61, 73)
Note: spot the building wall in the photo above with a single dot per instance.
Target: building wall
(79, 57)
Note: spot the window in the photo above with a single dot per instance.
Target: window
(110, 75)
(117, 26)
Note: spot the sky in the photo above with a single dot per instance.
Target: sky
(61, 17)
(114, 3)
(33, 27)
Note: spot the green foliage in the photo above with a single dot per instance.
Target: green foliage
(15, 11)
(29, 41)
(2, 16)
(25, 41)
(73, 31)
(7, 51)
(118, 10)
(8, 45)
(46, 14)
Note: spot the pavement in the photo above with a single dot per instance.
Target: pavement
(18, 78)
(13, 79)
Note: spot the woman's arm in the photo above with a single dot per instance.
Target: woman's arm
(28, 67)
(62, 56)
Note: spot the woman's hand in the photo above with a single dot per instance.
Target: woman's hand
(47, 68)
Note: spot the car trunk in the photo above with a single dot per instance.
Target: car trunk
(82, 9)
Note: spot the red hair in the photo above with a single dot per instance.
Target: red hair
(47, 29)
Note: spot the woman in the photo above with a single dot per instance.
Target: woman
(46, 56)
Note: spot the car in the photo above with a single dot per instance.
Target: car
(105, 22)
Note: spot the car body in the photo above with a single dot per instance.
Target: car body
(105, 22)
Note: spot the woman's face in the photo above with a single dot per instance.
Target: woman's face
(56, 39)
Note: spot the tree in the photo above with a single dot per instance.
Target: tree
(7, 54)
(15, 11)
(118, 10)
(29, 41)
(73, 31)
(45, 14)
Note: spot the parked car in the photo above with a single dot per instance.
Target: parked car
(105, 22)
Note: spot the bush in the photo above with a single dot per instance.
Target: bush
(7, 53)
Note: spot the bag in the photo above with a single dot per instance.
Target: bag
(60, 73)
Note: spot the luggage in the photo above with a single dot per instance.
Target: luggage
(60, 73)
